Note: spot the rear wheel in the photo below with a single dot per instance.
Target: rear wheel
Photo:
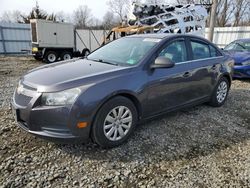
(51, 57)
(66, 55)
(114, 122)
(220, 93)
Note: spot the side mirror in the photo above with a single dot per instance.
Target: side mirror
(162, 62)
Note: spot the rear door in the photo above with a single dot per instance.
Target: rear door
(206, 64)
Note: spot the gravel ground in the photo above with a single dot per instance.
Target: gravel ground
(195, 147)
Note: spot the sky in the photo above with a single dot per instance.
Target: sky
(98, 7)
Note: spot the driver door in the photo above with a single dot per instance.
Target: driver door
(169, 88)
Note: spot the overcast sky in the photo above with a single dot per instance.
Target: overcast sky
(98, 7)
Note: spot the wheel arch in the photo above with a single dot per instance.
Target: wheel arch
(125, 94)
(228, 77)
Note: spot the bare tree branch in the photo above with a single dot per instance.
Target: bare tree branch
(119, 7)
(82, 16)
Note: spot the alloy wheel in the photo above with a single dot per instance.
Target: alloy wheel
(222, 92)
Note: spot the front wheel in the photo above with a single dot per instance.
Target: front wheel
(220, 93)
(114, 122)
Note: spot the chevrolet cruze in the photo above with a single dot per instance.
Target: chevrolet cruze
(127, 81)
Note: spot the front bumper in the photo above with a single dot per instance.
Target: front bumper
(241, 71)
(54, 123)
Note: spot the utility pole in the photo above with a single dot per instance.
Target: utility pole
(212, 20)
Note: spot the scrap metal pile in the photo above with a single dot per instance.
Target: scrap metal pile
(170, 18)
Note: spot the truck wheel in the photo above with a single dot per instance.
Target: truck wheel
(85, 52)
(51, 57)
(66, 55)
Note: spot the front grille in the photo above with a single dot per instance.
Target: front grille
(22, 100)
(28, 87)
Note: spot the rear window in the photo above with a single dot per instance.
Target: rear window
(202, 50)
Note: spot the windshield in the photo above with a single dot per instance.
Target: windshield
(238, 46)
(125, 51)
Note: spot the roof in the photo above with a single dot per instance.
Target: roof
(158, 36)
(164, 35)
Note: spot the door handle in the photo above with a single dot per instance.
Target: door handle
(187, 74)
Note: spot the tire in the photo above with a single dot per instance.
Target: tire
(85, 52)
(66, 55)
(220, 93)
(103, 126)
(51, 57)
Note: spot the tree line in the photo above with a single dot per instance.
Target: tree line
(229, 13)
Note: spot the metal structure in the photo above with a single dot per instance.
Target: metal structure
(14, 38)
(225, 35)
(92, 39)
(170, 18)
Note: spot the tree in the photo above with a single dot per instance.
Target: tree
(36, 13)
(82, 16)
(224, 12)
(109, 20)
(212, 20)
(63, 17)
(119, 7)
(242, 7)
(12, 17)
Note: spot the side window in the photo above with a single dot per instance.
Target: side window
(176, 52)
(200, 50)
(213, 51)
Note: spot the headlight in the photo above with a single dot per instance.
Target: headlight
(246, 63)
(60, 98)
(34, 49)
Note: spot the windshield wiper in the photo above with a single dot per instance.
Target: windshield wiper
(102, 61)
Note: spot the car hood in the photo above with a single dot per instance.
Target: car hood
(69, 74)
(239, 57)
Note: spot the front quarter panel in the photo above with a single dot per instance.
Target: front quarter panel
(90, 101)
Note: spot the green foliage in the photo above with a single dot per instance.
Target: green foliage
(38, 13)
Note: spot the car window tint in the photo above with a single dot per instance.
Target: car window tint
(239, 46)
(213, 51)
(200, 50)
(230, 46)
(247, 46)
(124, 51)
(176, 52)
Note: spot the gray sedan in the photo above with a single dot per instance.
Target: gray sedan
(130, 80)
